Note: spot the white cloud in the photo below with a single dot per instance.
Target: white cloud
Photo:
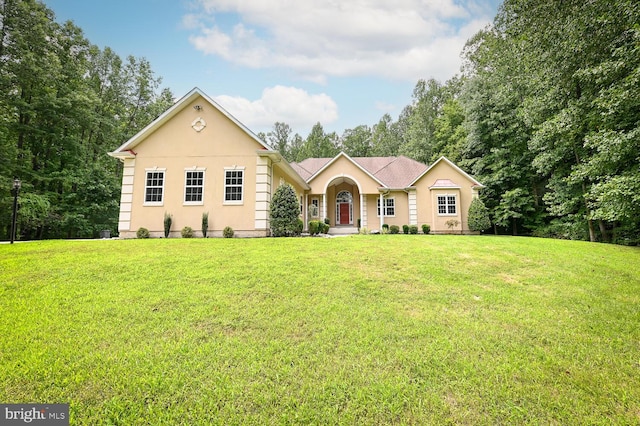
(291, 105)
(403, 39)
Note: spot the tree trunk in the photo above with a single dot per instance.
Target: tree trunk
(515, 227)
(604, 232)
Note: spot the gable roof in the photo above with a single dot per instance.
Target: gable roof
(475, 183)
(124, 150)
(389, 172)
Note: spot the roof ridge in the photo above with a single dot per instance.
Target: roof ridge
(388, 164)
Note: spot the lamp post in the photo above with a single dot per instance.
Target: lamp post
(16, 189)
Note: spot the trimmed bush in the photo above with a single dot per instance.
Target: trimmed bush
(394, 229)
(227, 232)
(284, 211)
(205, 224)
(314, 226)
(187, 232)
(299, 227)
(325, 228)
(478, 216)
(405, 229)
(413, 229)
(167, 224)
(142, 233)
(385, 227)
(425, 229)
(327, 221)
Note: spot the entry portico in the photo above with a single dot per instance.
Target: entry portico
(369, 192)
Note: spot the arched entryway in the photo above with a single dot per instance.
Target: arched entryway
(344, 208)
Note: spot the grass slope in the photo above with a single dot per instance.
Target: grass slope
(363, 329)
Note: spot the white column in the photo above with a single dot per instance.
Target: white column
(324, 206)
(126, 195)
(381, 211)
(363, 215)
(305, 212)
(413, 207)
(263, 193)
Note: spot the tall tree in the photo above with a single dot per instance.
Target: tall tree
(357, 142)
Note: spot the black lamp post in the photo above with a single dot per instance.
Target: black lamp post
(16, 189)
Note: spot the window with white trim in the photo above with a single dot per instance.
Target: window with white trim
(154, 188)
(389, 206)
(314, 208)
(447, 205)
(233, 186)
(193, 186)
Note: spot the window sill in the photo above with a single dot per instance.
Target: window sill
(233, 203)
(153, 204)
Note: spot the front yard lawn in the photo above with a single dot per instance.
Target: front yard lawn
(400, 329)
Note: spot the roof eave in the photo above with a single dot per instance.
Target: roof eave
(277, 158)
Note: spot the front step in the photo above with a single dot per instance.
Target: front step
(343, 230)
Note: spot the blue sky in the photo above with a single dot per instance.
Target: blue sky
(343, 63)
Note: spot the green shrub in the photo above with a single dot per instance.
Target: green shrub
(205, 224)
(187, 232)
(385, 227)
(478, 216)
(359, 222)
(425, 229)
(227, 232)
(142, 233)
(394, 229)
(325, 228)
(284, 211)
(167, 224)
(314, 227)
(299, 227)
(405, 229)
(327, 221)
(413, 229)
(363, 231)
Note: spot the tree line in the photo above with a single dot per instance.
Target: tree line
(65, 103)
(545, 113)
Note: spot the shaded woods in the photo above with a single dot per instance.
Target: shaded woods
(64, 103)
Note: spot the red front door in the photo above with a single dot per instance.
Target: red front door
(344, 213)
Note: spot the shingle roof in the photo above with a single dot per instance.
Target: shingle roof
(393, 172)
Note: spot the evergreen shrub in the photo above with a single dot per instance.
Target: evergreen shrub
(187, 232)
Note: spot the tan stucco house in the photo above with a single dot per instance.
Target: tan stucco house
(197, 158)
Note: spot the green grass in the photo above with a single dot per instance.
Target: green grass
(387, 329)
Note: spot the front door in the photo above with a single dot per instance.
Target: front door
(344, 213)
(344, 207)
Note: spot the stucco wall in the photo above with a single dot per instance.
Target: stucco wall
(177, 147)
(427, 198)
